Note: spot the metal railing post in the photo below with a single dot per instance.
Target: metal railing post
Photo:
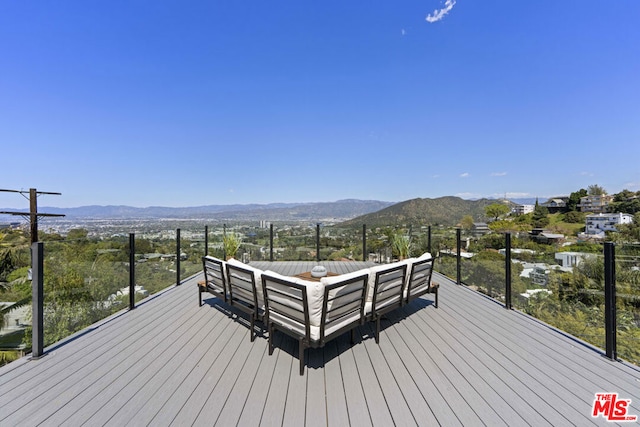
(610, 300)
(224, 235)
(318, 242)
(458, 256)
(206, 240)
(364, 242)
(429, 240)
(37, 299)
(178, 257)
(507, 270)
(132, 271)
(271, 242)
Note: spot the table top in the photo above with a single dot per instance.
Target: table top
(307, 276)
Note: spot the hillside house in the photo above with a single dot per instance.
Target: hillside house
(597, 224)
(522, 209)
(555, 205)
(595, 204)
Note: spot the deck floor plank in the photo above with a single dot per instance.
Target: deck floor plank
(228, 398)
(378, 408)
(257, 397)
(462, 350)
(155, 391)
(183, 379)
(398, 407)
(316, 392)
(525, 359)
(336, 400)
(171, 362)
(274, 408)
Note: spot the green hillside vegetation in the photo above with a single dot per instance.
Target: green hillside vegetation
(447, 211)
(556, 223)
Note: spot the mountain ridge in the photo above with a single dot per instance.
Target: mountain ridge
(447, 210)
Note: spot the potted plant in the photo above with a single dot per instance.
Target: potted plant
(401, 245)
(231, 243)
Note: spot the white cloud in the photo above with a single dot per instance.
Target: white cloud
(586, 173)
(498, 173)
(403, 32)
(438, 14)
(465, 175)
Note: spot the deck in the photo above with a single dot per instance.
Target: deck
(169, 362)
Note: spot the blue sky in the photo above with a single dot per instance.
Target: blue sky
(168, 103)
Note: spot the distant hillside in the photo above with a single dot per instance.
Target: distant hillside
(441, 211)
(339, 211)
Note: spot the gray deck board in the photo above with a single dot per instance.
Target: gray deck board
(273, 414)
(337, 412)
(549, 369)
(171, 362)
(353, 388)
(395, 401)
(316, 402)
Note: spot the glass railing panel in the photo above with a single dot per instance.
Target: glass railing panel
(191, 251)
(569, 298)
(485, 272)
(85, 281)
(156, 263)
(15, 294)
(628, 301)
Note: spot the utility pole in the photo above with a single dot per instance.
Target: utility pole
(33, 213)
(37, 268)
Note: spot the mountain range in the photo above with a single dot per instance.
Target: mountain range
(443, 210)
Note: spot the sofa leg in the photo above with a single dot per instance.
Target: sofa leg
(252, 330)
(270, 339)
(301, 356)
(378, 330)
(436, 294)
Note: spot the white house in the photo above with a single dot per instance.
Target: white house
(522, 209)
(599, 223)
(571, 259)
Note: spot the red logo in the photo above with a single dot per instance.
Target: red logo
(611, 408)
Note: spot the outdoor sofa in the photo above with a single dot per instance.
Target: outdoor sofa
(314, 312)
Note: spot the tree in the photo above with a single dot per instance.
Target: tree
(466, 222)
(496, 210)
(574, 217)
(596, 190)
(540, 217)
(574, 199)
(626, 202)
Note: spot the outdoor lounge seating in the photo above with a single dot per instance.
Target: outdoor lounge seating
(214, 278)
(419, 280)
(387, 292)
(291, 306)
(243, 293)
(314, 312)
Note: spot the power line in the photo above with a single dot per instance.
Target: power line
(33, 213)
